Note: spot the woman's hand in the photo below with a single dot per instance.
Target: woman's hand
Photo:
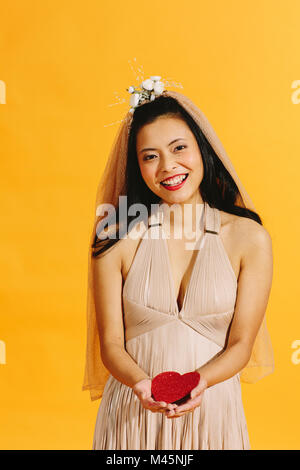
(142, 389)
(191, 403)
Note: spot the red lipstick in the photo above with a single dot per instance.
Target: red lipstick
(177, 186)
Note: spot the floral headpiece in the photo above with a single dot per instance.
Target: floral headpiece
(150, 89)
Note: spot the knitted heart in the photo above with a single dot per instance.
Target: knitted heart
(173, 387)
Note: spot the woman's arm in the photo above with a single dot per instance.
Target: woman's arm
(108, 280)
(253, 291)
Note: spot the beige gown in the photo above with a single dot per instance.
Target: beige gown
(161, 337)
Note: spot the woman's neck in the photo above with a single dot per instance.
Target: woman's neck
(183, 217)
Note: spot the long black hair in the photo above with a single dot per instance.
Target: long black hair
(217, 187)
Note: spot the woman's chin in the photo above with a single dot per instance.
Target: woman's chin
(176, 198)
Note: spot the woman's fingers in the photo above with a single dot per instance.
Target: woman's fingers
(169, 406)
(159, 406)
(190, 404)
(155, 405)
(187, 407)
(175, 414)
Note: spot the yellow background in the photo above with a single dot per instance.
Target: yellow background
(63, 64)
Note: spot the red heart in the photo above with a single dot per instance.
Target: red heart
(171, 386)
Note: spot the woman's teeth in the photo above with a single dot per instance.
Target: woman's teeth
(175, 181)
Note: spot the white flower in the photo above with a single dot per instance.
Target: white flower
(158, 87)
(147, 84)
(149, 89)
(134, 99)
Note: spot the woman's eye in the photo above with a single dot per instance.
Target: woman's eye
(148, 157)
(179, 146)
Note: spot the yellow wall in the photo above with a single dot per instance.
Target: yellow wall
(62, 63)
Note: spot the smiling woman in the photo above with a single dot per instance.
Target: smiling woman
(172, 167)
(154, 306)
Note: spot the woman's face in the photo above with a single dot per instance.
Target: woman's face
(167, 148)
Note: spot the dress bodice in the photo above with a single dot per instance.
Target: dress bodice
(149, 297)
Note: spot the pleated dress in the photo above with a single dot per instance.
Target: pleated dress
(160, 337)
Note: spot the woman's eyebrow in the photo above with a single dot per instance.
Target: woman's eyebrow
(150, 148)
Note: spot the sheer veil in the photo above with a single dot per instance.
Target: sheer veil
(110, 187)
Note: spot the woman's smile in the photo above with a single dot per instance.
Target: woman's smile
(175, 183)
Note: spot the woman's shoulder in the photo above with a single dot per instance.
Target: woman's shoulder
(245, 231)
(126, 247)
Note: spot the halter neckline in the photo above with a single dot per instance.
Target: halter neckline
(209, 222)
(211, 218)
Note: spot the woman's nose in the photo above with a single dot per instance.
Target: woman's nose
(167, 164)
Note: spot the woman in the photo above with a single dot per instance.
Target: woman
(157, 305)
